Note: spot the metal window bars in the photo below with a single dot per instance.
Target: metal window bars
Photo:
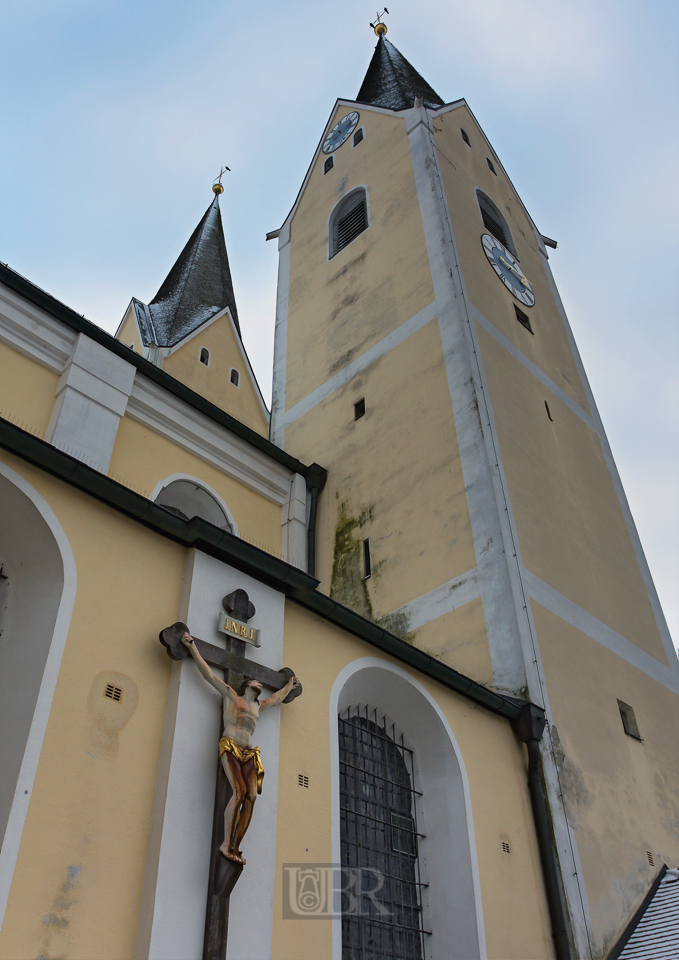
(382, 916)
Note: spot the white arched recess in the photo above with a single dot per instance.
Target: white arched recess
(199, 483)
(448, 853)
(40, 567)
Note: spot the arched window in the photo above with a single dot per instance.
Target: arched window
(234, 377)
(382, 917)
(205, 356)
(349, 218)
(494, 222)
(187, 499)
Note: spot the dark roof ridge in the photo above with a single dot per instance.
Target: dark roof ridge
(76, 321)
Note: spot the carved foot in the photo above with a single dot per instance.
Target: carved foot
(235, 855)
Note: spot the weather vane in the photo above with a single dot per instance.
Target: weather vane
(217, 185)
(379, 27)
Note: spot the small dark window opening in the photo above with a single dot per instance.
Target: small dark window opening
(548, 412)
(358, 136)
(465, 137)
(523, 319)
(359, 409)
(629, 721)
(350, 220)
(490, 165)
(205, 356)
(494, 222)
(328, 165)
(234, 377)
(366, 559)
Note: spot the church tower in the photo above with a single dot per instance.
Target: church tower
(190, 329)
(473, 507)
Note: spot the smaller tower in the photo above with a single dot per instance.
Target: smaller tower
(191, 327)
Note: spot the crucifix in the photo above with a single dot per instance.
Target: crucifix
(240, 771)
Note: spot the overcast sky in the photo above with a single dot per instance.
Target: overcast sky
(116, 117)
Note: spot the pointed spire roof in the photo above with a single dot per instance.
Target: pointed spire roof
(394, 83)
(198, 286)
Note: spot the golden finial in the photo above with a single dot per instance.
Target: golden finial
(379, 27)
(217, 187)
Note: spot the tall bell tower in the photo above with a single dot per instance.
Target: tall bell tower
(473, 506)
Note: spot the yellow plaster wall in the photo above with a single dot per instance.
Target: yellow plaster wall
(129, 333)
(212, 382)
(400, 463)
(339, 308)
(465, 170)
(571, 528)
(78, 878)
(516, 920)
(460, 639)
(621, 794)
(27, 391)
(143, 458)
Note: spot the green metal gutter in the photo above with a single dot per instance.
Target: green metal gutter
(282, 576)
(78, 323)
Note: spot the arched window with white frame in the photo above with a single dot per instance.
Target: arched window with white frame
(348, 220)
(186, 498)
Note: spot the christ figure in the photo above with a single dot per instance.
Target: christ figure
(241, 761)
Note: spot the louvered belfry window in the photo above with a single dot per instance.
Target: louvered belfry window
(350, 219)
(492, 226)
(382, 914)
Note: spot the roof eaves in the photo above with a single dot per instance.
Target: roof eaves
(76, 321)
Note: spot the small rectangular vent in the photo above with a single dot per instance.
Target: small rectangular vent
(359, 409)
(358, 136)
(523, 319)
(328, 165)
(367, 566)
(629, 721)
(650, 858)
(492, 226)
(114, 693)
(505, 847)
(302, 780)
(351, 224)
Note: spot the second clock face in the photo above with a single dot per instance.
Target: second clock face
(340, 132)
(508, 270)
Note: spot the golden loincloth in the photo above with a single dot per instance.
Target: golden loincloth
(243, 754)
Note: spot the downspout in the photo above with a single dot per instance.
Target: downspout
(315, 480)
(529, 728)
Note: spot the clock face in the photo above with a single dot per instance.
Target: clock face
(340, 132)
(508, 270)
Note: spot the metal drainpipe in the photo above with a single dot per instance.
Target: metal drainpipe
(529, 729)
(315, 481)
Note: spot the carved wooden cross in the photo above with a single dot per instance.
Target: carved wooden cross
(225, 873)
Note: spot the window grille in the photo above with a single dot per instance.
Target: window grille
(349, 221)
(492, 226)
(113, 692)
(494, 222)
(379, 838)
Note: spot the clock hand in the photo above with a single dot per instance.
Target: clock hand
(521, 277)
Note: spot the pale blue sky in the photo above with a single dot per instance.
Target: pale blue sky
(116, 117)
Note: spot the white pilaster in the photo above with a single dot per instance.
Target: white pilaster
(174, 898)
(294, 523)
(91, 398)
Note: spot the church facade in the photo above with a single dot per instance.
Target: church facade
(428, 530)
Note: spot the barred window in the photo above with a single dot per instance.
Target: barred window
(382, 911)
(349, 218)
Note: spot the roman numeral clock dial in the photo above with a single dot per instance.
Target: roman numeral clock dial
(508, 270)
(340, 132)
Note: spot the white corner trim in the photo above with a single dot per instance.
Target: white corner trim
(535, 370)
(170, 417)
(583, 621)
(374, 353)
(36, 736)
(340, 682)
(280, 352)
(199, 483)
(33, 332)
(442, 599)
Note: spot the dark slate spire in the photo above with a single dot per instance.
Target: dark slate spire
(393, 83)
(198, 286)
